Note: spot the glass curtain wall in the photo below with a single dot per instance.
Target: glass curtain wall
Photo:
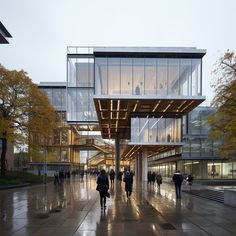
(80, 90)
(147, 76)
(222, 170)
(165, 169)
(206, 169)
(57, 96)
(195, 135)
(155, 130)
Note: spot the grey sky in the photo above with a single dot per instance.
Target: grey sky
(43, 29)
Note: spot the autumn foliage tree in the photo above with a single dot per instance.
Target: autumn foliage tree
(25, 112)
(223, 122)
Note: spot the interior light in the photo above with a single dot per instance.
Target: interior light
(135, 107)
(99, 104)
(158, 103)
(111, 105)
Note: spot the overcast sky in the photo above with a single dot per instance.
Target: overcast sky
(42, 30)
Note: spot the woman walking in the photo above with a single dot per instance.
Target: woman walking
(128, 184)
(102, 187)
(159, 180)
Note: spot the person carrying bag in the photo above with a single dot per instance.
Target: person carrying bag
(102, 187)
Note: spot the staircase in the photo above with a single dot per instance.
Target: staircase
(213, 195)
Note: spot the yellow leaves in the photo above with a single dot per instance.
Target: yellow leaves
(23, 108)
(223, 122)
(229, 55)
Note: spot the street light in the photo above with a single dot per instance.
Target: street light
(45, 165)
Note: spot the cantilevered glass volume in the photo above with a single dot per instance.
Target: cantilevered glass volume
(133, 93)
(148, 76)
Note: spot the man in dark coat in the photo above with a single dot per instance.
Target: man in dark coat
(159, 180)
(112, 177)
(178, 179)
(102, 187)
(149, 177)
(119, 176)
(128, 184)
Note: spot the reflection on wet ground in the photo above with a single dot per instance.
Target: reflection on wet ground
(73, 209)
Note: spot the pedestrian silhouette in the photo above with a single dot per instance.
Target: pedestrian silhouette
(177, 179)
(102, 187)
(137, 90)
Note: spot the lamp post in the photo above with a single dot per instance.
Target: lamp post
(45, 165)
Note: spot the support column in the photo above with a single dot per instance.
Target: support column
(117, 155)
(140, 167)
(204, 170)
(136, 169)
(144, 165)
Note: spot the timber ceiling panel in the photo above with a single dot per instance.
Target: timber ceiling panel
(132, 151)
(114, 113)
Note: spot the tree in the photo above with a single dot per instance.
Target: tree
(223, 122)
(25, 112)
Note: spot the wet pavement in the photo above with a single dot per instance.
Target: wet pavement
(74, 209)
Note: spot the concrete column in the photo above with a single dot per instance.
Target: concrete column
(117, 155)
(144, 165)
(136, 168)
(204, 170)
(140, 167)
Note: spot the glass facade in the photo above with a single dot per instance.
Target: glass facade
(156, 73)
(80, 90)
(58, 151)
(156, 130)
(195, 135)
(221, 170)
(199, 155)
(165, 169)
(200, 169)
(147, 76)
(57, 96)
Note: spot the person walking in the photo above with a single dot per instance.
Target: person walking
(159, 180)
(189, 180)
(128, 184)
(119, 177)
(61, 176)
(112, 177)
(178, 179)
(102, 187)
(56, 178)
(149, 177)
(82, 175)
(153, 177)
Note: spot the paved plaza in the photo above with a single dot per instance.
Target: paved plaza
(74, 209)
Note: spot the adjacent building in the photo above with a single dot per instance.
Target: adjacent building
(4, 34)
(199, 154)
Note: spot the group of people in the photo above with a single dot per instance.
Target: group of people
(177, 179)
(60, 176)
(154, 178)
(103, 181)
(103, 184)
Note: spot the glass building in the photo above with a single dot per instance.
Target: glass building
(4, 34)
(134, 107)
(134, 96)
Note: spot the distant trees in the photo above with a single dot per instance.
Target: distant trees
(25, 112)
(223, 122)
